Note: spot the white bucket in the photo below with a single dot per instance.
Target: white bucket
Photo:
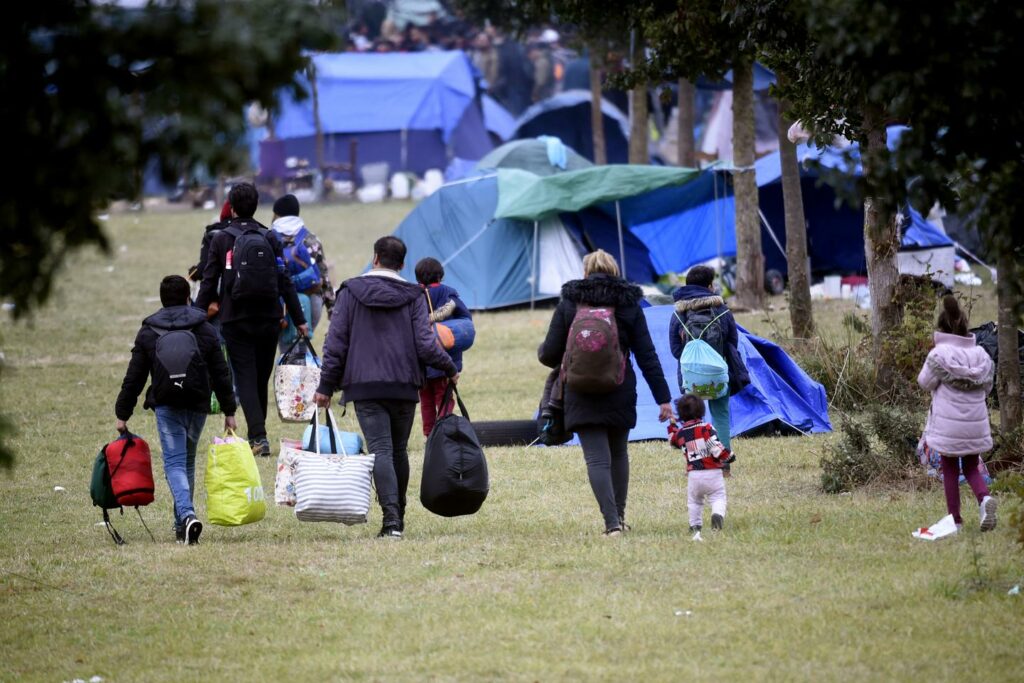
(833, 286)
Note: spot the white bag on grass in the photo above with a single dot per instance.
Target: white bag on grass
(941, 529)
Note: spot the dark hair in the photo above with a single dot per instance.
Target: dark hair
(702, 276)
(390, 251)
(174, 291)
(287, 205)
(952, 320)
(429, 270)
(689, 408)
(244, 199)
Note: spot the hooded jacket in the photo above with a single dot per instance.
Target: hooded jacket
(958, 373)
(287, 228)
(617, 408)
(379, 340)
(693, 298)
(144, 353)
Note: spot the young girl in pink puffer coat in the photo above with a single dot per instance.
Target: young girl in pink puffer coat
(958, 372)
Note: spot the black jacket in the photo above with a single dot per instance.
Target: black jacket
(617, 408)
(144, 353)
(231, 310)
(379, 341)
(695, 298)
(195, 273)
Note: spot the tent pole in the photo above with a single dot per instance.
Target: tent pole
(772, 234)
(405, 150)
(533, 266)
(622, 242)
(318, 125)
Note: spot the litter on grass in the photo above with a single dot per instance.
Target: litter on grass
(59, 488)
(941, 529)
(1014, 591)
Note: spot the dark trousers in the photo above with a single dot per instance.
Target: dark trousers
(252, 345)
(386, 425)
(951, 466)
(605, 452)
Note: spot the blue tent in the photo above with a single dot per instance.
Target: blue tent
(566, 116)
(780, 395)
(499, 122)
(413, 111)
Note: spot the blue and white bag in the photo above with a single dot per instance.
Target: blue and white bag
(705, 373)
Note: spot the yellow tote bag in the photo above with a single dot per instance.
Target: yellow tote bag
(234, 493)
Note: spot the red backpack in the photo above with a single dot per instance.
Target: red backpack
(122, 476)
(593, 361)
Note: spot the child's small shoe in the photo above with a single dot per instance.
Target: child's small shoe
(717, 521)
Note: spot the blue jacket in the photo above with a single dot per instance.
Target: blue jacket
(440, 294)
(693, 298)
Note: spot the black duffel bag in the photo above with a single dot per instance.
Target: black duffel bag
(455, 480)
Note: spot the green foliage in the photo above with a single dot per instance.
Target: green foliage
(877, 449)
(93, 93)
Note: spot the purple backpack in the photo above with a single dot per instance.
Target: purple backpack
(593, 362)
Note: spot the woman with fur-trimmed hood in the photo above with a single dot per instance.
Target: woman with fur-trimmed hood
(958, 373)
(697, 295)
(602, 421)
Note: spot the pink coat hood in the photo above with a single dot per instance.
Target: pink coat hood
(959, 374)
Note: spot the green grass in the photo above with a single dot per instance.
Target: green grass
(800, 586)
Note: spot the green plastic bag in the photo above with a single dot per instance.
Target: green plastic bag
(234, 492)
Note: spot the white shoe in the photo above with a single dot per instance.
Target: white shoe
(988, 513)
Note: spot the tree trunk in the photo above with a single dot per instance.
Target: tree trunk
(801, 314)
(596, 118)
(881, 242)
(684, 119)
(638, 128)
(1008, 385)
(749, 258)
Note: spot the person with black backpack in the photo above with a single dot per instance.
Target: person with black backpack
(179, 350)
(595, 327)
(247, 261)
(706, 317)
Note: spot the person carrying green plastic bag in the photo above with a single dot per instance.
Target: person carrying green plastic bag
(234, 492)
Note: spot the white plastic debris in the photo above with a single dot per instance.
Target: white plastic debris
(684, 613)
(103, 217)
(110, 269)
(941, 529)
(59, 488)
(96, 679)
(1014, 591)
(7, 306)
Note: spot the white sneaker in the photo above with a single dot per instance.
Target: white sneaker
(988, 513)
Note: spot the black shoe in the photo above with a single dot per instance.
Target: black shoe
(193, 528)
(695, 528)
(260, 447)
(614, 532)
(625, 527)
(179, 534)
(717, 521)
(390, 532)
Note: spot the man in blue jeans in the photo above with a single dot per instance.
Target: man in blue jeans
(179, 350)
(379, 341)
(699, 307)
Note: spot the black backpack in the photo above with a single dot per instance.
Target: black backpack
(455, 480)
(254, 264)
(706, 325)
(180, 377)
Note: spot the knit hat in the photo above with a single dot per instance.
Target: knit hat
(287, 205)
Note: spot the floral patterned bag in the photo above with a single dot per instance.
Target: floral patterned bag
(295, 381)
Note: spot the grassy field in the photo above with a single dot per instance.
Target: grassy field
(800, 585)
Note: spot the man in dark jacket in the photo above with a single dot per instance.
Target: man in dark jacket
(180, 409)
(697, 295)
(378, 343)
(250, 324)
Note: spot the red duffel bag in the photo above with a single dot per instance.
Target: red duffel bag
(131, 470)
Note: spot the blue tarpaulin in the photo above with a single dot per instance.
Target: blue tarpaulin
(780, 394)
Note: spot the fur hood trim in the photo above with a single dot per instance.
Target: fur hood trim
(710, 301)
(602, 290)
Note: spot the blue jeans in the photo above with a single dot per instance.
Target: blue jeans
(180, 430)
(720, 418)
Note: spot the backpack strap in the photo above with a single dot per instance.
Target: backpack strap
(691, 334)
(160, 331)
(118, 540)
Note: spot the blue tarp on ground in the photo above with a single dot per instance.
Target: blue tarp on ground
(780, 393)
(413, 111)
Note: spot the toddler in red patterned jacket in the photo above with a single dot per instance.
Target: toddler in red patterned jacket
(705, 456)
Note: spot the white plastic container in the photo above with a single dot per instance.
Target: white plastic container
(833, 286)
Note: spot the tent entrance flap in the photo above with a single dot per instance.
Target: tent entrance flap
(559, 258)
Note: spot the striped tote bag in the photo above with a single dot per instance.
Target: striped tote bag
(332, 490)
